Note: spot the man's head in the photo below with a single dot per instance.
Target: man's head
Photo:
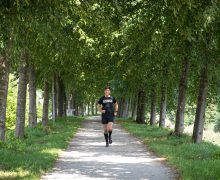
(107, 91)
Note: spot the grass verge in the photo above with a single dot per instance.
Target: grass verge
(192, 161)
(37, 153)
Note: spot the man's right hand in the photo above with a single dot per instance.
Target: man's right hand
(103, 111)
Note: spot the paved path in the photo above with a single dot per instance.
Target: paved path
(88, 158)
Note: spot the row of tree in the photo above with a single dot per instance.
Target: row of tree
(148, 51)
(160, 50)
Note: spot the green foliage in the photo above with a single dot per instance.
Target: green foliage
(36, 154)
(11, 103)
(190, 160)
(39, 102)
(217, 126)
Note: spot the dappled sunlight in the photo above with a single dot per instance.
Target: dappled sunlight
(88, 158)
(21, 173)
(113, 159)
(51, 150)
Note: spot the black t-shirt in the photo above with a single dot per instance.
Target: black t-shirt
(107, 104)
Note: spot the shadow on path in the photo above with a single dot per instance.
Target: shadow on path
(88, 158)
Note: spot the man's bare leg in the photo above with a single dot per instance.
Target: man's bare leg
(105, 128)
(109, 129)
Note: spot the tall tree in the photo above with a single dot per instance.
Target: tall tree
(4, 77)
(179, 124)
(32, 97)
(54, 97)
(163, 104)
(46, 103)
(134, 108)
(21, 99)
(141, 107)
(60, 97)
(153, 105)
(201, 106)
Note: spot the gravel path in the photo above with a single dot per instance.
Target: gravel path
(88, 158)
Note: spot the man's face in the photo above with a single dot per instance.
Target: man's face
(107, 92)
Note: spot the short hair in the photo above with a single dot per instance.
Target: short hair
(107, 87)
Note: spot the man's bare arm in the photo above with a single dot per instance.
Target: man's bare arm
(99, 106)
(116, 107)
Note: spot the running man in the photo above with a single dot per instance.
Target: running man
(108, 106)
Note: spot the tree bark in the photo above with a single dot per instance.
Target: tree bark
(77, 109)
(134, 109)
(88, 108)
(92, 107)
(126, 108)
(121, 107)
(163, 104)
(45, 103)
(201, 106)
(64, 102)
(179, 125)
(4, 77)
(141, 107)
(32, 97)
(138, 106)
(96, 110)
(130, 108)
(153, 107)
(74, 106)
(21, 99)
(60, 97)
(82, 109)
(54, 98)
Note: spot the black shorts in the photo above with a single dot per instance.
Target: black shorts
(106, 118)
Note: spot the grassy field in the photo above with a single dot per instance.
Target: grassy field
(36, 154)
(192, 161)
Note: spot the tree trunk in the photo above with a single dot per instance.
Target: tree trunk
(134, 109)
(92, 107)
(60, 97)
(65, 106)
(141, 107)
(163, 104)
(74, 106)
(64, 102)
(54, 98)
(129, 108)
(21, 99)
(32, 97)
(77, 109)
(179, 125)
(82, 109)
(138, 106)
(71, 101)
(123, 107)
(201, 106)
(4, 76)
(88, 108)
(96, 109)
(45, 104)
(153, 106)
(120, 104)
(126, 108)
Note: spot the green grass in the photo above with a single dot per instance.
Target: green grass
(192, 161)
(37, 153)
